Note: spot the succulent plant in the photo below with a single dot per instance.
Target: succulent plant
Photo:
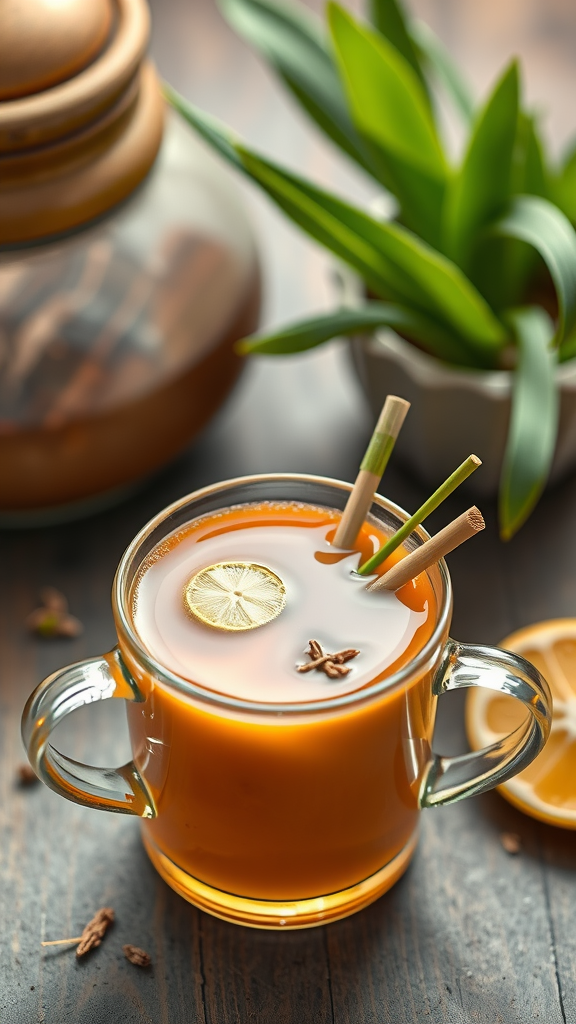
(478, 264)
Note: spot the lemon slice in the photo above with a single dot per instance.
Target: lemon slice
(547, 788)
(235, 596)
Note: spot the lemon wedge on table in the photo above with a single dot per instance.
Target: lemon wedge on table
(547, 788)
(235, 596)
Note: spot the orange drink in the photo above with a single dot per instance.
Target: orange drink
(265, 807)
(280, 714)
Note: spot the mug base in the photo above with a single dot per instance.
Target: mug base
(280, 915)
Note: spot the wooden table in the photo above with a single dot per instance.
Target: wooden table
(470, 933)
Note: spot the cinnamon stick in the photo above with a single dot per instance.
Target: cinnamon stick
(461, 529)
(470, 465)
(371, 469)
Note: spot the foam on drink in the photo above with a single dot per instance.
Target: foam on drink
(324, 601)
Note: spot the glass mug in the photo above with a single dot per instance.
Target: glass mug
(281, 815)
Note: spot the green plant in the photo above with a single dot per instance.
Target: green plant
(478, 267)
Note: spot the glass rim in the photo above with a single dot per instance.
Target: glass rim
(123, 583)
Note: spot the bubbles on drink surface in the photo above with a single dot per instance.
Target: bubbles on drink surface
(235, 596)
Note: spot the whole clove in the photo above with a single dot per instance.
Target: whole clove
(92, 935)
(331, 664)
(138, 957)
(52, 618)
(95, 930)
(25, 775)
(511, 842)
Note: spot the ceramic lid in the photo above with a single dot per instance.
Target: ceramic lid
(80, 112)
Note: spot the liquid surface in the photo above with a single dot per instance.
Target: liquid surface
(324, 602)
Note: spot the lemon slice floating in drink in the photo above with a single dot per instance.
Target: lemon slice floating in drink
(235, 596)
(547, 788)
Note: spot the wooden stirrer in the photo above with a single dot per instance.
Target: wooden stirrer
(461, 529)
(371, 469)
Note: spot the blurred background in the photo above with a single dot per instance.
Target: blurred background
(199, 54)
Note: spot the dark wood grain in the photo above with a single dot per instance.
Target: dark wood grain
(470, 934)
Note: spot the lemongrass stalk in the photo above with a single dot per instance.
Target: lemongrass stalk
(371, 469)
(461, 529)
(436, 499)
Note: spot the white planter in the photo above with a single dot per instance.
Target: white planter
(455, 412)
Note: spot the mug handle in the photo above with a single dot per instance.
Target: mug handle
(108, 789)
(448, 779)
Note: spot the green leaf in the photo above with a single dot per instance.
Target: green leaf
(292, 41)
(564, 187)
(420, 197)
(435, 55)
(211, 130)
(387, 100)
(504, 269)
(438, 286)
(349, 245)
(480, 190)
(505, 273)
(542, 225)
(334, 224)
(529, 172)
(389, 18)
(533, 421)
(568, 349)
(392, 113)
(309, 333)
(394, 263)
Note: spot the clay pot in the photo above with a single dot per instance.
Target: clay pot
(127, 267)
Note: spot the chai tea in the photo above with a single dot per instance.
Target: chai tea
(280, 714)
(264, 807)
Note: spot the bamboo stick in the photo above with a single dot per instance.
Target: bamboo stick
(371, 469)
(461, 529)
